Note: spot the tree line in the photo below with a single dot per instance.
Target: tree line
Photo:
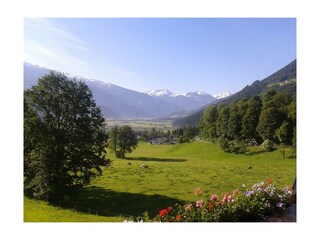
(181, 135)
(271, 118)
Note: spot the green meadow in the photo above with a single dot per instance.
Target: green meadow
(41, 211)
(170, 175)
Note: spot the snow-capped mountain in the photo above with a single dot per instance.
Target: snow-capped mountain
(195, 94)
(160, 92)
(222, 95)
(187, 101)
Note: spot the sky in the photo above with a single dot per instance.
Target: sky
(211, 55)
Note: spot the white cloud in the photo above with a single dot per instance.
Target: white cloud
(44, 51)
(49, 29)
(45, 39)
(35, 49)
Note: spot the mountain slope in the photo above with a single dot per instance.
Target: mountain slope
(128, 103)
(32, 73)
(115, 101)
(284, 80)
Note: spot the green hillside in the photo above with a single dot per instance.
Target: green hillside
(283, 80)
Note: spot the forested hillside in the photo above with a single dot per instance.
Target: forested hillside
(283, 80)
(271, 119)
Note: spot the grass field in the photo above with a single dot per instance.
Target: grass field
(40, 211)
(173, 172)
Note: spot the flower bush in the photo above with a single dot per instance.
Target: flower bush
(245, 205)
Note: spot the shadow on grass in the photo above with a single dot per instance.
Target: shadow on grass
(256, 152)
(151, 159)
(259, 151)
(100, 201)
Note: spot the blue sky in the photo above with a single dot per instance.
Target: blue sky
(193, 54)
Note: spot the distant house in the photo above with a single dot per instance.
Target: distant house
(174, 140)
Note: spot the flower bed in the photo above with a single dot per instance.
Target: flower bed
(245, 205)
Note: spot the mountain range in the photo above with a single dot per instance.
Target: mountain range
(188, 101)
(121, 103)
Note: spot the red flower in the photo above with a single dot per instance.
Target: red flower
(269, 181)
(163, 212)
(178, 217)
(169, 209)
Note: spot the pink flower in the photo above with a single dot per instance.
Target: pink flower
(225, 198)
(197, 191)
(213, 197)
(188, 207)
(199, 203)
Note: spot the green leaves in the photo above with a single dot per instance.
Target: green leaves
(122, 140)
(64, 139)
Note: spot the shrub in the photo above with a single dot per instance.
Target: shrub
(267, 145)
(234, 146)
(238, 147)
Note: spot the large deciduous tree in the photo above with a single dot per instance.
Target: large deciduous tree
(64, 138)
(251, 118)
(234, 122)
(273, 114)
(207, 125)
(223, 121)
(270, 119)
